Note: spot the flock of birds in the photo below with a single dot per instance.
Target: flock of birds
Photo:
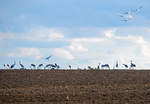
(56, 66)
(129, 15)
(33, 66)
(132, 66)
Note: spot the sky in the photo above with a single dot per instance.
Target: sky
(80, 33)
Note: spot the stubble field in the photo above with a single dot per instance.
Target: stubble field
(74, 87)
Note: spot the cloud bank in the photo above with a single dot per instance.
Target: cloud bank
(106, 46)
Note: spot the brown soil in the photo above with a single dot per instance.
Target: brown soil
(74, 87)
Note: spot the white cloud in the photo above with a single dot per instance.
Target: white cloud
(82, 44)
(112, 47)
(77, 47)
(62, 53)
(44, 34)
(145, 46)
(35, 34)
(139, 41)
(50, 34)
(90, 39)
(30, 52)
(110, 33)
(26, 52)
(106, 47)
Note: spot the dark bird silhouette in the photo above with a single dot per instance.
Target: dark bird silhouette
(47, 66)
(69, 66)
(89, 67)
(8, 65)
(40, 65)
(105, 66)
(51, 66)
(129, 15)
(132, 65)
(98, 67)
(57, 66)
(137, 10)
(4, 65)
(47, 58)
(13, 65)
(126, 16)
(22, 66)
(33, 66)
(117, 65)
(125, 65)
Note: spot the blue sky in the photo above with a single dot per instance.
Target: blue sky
(76, 32)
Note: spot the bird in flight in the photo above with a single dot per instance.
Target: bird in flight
(137, 10)
(47, 58)
(129, 15)
(126, 16)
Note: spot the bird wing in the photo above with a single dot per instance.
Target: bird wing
(47, 58)
(125, 20)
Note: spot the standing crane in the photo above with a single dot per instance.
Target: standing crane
(8, 66)
(40, 65)
(4, 66)
(125, 65)
(22, 66)
(13, 65)
(132, 65)
(117, 65)
(98, 67)
(51, 66)
(32, 66)
(57, 66)
(105, 66)
(69, 66)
